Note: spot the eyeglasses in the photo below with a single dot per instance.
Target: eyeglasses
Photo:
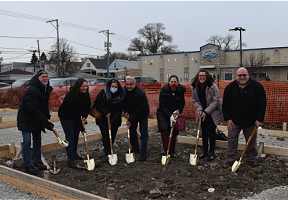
(244, 75)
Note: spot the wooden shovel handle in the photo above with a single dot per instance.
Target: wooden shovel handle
(110, 137)
(199, 128)
(249, 141)
(85, 139)
(128, 131)
(171, 133)
(54, 131)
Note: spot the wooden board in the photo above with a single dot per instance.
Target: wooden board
(224, 144)
(42, 187)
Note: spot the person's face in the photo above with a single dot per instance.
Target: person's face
(242, 76)
(202, 77)
(173, 83)
(43, 78)
(130, 85)
(114, 85)
(84, 87)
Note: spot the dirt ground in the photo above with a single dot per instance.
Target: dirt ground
(178, 179)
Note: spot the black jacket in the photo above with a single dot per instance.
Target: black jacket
(33, 111)
(75, 108)
(244, 109)
(106, 106)
(169, 101)
(136, 104)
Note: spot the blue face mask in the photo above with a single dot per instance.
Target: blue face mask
(113, 90)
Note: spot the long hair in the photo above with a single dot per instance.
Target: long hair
(196, 78)
(75, 88)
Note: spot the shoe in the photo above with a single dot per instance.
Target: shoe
(71, 163)
(31, 169)
(174, 156)
(253, 164)
(142, 158)
(133, 151)
(40, 166)
(203, 155)
(77, 157)
(211, 157)
(163, 152)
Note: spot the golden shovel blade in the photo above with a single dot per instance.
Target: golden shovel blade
(90, 164)
(235, 166)
(112, 159)
(63, 143)
(130, 157)
(193, 159)
(165, 159)
(55, 171)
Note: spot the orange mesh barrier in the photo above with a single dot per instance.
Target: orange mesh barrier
(276, 93)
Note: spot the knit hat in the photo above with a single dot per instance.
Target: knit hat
(40, 72)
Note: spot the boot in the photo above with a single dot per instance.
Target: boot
(71, 163)
(31, 170)
(77, 157)
(211, 156)
(203, 155)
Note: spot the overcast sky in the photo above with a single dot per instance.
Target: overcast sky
(189, 22)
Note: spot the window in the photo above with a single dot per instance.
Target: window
(120, 76)
(259, 76)
(73, 67)
(276, 50)
(228, 76)
(186, 76)
(88, 65)
(168, 75)
(115, 65)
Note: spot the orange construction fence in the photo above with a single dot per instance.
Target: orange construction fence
(276, 94)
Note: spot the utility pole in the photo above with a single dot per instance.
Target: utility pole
(39, 53)
(106, 32)
(58, 53)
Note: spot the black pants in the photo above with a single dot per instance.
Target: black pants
(208, 131)
(105, 137)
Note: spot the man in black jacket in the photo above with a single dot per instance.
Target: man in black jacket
(136, 105)
(32, 117)
(244, 106)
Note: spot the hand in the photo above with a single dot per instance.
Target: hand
(258, 123)
(108, 115)
(128, 124)
(49, 126)
(83, 132)
(203, 115)
(125, 115)
(172, 119)
(84, 120)
(230, 125)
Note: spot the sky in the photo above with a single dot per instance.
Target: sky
(190, 23)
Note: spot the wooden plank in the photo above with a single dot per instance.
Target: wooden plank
(9, 119)
(42, 187)
(10, 110)
(224, 144)
(8, 124)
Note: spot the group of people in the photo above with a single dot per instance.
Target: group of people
(243, 107)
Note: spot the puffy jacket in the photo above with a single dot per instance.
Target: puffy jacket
(33, 111)
(169, 101)
(244, 109)
(213, 100)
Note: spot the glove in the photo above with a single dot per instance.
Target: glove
(172, 119)
(49, 125)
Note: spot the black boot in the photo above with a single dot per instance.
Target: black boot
(212, 147)
(77, 157)
(71, 163)
(203, 155)
(211, 156)
(40, 166)
(31, 169)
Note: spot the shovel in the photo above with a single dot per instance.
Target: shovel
(64, 142)
(194, 158)
(165, 159)
(113, 157)
(54, 171)
(236, 164)
(129, 156)
(89, 163)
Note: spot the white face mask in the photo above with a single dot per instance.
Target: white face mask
(113, 90)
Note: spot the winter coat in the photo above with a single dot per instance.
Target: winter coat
(136, 104)
(169, 101)
(213, 101)
(107, 106)
(244, 109)
(75, 108)
(33, 111)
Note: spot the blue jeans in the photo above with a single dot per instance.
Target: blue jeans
(144, 135)
(36, 147)
(72, 136)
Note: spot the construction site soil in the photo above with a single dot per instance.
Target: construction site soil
(176, 180)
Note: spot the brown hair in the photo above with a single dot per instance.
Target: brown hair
(75, 88)
(196, 78)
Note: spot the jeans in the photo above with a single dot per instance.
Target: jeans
(144, 135)
(208, 131)
(72, 136)
(36, 147)
(105, 137)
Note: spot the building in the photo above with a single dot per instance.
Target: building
(121, 68)
(221, 64)
(95, 67)
(20, 66)
(14, 75)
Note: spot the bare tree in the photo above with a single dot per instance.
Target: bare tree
(226, 43)
(121, 55)
(254, 62)
(154, 40)
(67, 55)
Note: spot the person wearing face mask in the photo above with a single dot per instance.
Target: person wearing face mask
(208, 104)
(109, 102)
(75, 108)
(32, 118)
(171, 100)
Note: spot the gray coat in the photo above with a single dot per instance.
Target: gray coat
(214, 102)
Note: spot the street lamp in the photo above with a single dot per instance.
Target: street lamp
(240, 29)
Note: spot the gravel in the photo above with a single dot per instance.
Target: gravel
(13, 134)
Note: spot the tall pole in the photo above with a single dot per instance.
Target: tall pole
(106, 32)
(39, 53)
(240, 48)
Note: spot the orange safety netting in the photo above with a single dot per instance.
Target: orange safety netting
(276, 94)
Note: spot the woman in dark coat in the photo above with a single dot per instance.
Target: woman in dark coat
(206, 99)
(75, 108)
(109, 102)
(171, 99)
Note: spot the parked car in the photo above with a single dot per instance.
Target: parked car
(100, 81)
(4, 84)
(145, 79)
(61, 81)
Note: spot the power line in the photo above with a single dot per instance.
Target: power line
(26, 37)
(85, 45)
